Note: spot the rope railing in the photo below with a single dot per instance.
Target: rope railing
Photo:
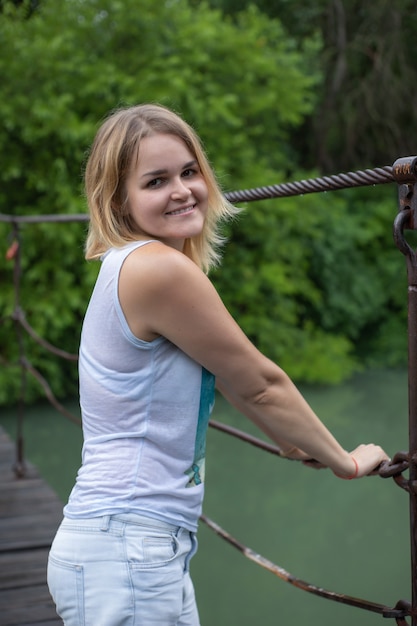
(399, 612)
(403, 172)
(362, 178)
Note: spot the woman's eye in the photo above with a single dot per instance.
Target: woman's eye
(188, 173)
(155, 182)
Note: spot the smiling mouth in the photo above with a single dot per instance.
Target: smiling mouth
(186, 209)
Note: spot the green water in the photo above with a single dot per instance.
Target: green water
(349, 537)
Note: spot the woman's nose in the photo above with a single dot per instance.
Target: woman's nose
(180, 190)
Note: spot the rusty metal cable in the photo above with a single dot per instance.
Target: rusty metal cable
(392, 469)
(39, 219)
(398, 612)
(361, 178)
(18, 315)
(48, 391)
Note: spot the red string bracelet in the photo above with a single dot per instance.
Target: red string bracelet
(355, 473)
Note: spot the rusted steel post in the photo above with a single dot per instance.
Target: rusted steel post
(19, 466)
(405, 173)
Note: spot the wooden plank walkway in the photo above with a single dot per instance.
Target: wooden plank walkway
(30, 513)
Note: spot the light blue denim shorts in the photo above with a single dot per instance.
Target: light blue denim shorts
(122, 570)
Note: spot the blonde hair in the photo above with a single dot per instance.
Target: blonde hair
(113, 152)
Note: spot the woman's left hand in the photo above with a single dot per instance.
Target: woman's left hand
(295, 454)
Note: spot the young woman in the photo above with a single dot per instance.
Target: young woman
(155, 340)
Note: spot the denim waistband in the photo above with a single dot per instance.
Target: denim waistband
(138, 520)
(107, 522)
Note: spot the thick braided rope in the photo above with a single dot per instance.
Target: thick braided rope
(377, 176)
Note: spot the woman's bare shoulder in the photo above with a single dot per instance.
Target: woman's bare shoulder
(156, 279)
(156, 262)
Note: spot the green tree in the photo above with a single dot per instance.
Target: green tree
(364, 115)
(27, 7)
(318, 284)
(243, 84)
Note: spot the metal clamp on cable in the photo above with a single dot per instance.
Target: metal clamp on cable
(404, 170)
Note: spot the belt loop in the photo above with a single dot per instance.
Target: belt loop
(105, 523)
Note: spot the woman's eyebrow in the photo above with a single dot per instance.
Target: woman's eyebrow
(154, 173)
(165, 171)
(190, 164)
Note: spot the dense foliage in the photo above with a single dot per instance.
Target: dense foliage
(315, 281)
(363, 114)
(318, 284)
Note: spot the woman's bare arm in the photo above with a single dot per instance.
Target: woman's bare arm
(163, 293)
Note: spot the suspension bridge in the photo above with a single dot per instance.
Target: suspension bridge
(30, 512)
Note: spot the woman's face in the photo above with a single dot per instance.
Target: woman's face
(167, 194)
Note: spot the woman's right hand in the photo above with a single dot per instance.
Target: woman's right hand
(366, 460)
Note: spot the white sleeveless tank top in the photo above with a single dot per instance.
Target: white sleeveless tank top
(145, 409)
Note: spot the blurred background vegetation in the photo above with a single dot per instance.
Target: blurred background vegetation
(278, 90)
